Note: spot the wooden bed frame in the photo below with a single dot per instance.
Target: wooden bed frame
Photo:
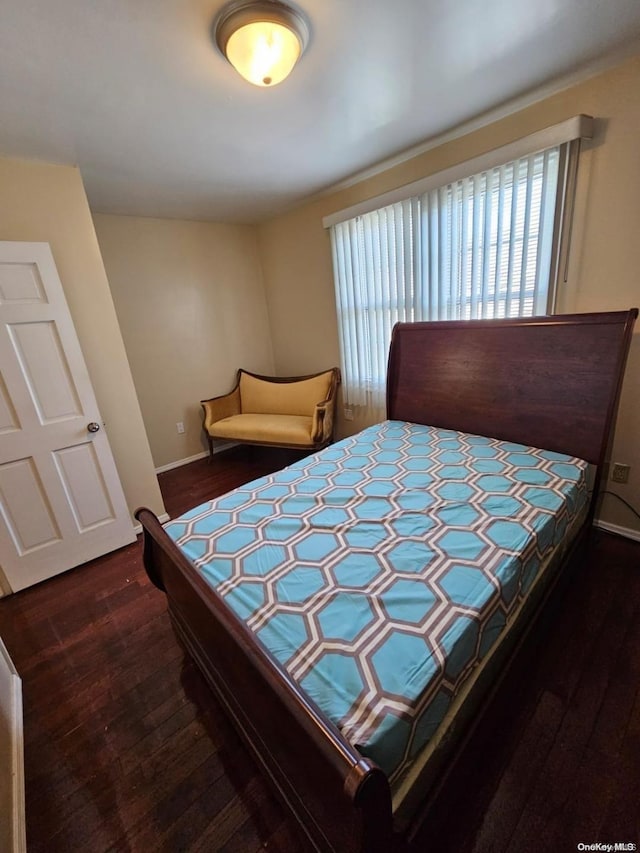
(551, 382)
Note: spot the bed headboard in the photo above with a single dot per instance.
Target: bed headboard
(551, 382)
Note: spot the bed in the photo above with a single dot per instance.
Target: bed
(353, 612)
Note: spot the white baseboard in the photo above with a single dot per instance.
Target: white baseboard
(13, 834)
(137, 528)
(627, 532)
(180, 462)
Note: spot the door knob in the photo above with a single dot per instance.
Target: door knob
(93, 427)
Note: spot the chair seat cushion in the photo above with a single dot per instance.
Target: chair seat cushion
(277, 429)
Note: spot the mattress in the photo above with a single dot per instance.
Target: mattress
(381, 571)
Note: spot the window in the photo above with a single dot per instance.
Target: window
(484, 245)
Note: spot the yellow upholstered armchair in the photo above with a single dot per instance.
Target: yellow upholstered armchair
(295, 412)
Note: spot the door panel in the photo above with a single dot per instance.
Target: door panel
(45, 370)
(21, 282)
(61, 502)
(8, 418)
(84, 485)
(25, 507)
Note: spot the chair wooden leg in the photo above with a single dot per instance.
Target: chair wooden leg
(210, 442)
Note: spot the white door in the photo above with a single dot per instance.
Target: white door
(61, 502)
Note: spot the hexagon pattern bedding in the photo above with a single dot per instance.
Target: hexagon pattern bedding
(380, 571)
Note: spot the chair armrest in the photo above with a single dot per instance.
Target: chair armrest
(323, 415)
(322, 424)
(221, 407)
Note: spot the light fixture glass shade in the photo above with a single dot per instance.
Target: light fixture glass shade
(263, 52)
(262, 39)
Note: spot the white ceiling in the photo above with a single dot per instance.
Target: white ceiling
(134, 92)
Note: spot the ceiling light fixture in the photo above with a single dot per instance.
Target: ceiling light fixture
(262, 39)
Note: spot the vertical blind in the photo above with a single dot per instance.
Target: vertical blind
(480, 247)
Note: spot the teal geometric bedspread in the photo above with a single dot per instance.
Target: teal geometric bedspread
(380, 571)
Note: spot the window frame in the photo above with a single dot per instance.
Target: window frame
(565, 136)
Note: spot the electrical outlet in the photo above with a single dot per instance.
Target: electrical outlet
(348, 414)
(620, 472)
(180, 427)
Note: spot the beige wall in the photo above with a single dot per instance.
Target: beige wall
(45, 203)
(192, 309)
(604, 264)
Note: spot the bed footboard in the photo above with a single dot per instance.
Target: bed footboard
(341, 800)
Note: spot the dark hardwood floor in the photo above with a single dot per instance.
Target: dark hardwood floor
(126, 750)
